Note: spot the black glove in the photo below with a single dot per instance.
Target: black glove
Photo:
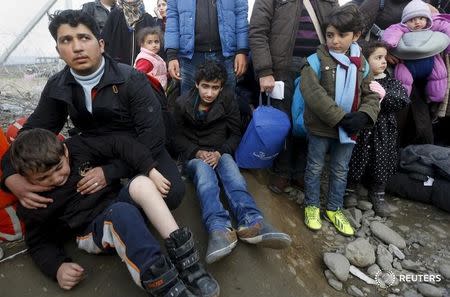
(353, 122)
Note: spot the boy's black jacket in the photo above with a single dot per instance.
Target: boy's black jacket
(71, 212)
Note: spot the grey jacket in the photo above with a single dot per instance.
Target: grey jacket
(272, 32)
(97, 11)
(427, 159)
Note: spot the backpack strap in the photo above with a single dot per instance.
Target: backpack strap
(314, 62)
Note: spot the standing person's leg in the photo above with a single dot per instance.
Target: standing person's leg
(222, 237)
(229, 66)
(179, 242)
(376, 196)
(283, 164)
(317, 150)
(252, 227)
(168, 168)
(188, 70)
(122, 227)
(340, 155)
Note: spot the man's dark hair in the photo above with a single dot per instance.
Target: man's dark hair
(368, 47)
(144, 32)
(36, 151)
(211, 71)
(72, 18)
(346, 18)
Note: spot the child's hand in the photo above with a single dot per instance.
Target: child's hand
(202, 155)
(377, 88)
(69, 275)
(161, 183)
(213, 159)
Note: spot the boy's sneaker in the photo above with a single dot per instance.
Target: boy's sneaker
(340, 221)
(312, 217)
(278, 184)
(265, 235)
(220, 244)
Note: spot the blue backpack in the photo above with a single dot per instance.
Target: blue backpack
(298, 102)
(264, 138)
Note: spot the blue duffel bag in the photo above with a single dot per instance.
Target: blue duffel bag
(264, 138)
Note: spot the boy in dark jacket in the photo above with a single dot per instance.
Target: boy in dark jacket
(108, 219)
(208, 132)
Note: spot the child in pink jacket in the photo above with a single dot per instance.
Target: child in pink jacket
(148, 61)
(429, 65)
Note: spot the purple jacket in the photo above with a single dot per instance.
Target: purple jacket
(437, 81)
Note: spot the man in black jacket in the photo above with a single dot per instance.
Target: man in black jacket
(208, 132)
(99, 10)
(101, 97)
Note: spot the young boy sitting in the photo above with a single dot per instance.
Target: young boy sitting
(208, 132)
(108, 219)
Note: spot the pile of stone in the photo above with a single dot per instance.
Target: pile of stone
(381, 258)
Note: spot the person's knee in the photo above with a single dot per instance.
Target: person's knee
(122, 211)
(137, 183)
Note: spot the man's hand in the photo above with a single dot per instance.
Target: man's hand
(161, 183)
(266, 84)
(240, 64)
(93, 181)
(26, 192)
(174, 69)
(202, 155)
(213, 159)
(69, 275)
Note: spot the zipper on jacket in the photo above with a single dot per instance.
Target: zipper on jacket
(132, 46)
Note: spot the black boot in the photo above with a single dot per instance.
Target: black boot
(380, 206)
(161, 279)
(182, 252)
(350, 198)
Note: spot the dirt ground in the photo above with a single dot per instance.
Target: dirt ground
(248, 271)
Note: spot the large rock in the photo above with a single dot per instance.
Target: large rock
(338, 264)
(428, 290)
(387, 235)
(444, 269)
(384, 258)
(360, 253)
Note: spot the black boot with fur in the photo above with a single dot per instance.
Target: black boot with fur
(181, 248)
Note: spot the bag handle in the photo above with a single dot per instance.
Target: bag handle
(260, 99)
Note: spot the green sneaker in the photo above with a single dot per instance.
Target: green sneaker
(312, 217)
(340, 222)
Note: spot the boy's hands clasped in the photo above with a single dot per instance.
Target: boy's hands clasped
(210, 158)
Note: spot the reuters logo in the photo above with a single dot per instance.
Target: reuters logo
(385, 279)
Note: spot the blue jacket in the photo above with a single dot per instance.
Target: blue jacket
(180, 26)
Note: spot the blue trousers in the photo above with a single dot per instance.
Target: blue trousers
(189, 67)
(206, 180)
(340, 155)
(121, 227)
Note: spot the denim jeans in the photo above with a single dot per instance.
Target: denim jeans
(214, 215)
(340, 155)
(189, 67)
(122, 227)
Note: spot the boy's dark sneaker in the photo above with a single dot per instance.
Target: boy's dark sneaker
(380, 206)
(220, 244)
(161, 280)
(350, 198)
(181, 248)
(299, 183)
(278, 184)
(265, 235)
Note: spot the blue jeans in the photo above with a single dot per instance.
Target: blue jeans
(189, 67)
(340, 155)
(214, 215)
(122, 227)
